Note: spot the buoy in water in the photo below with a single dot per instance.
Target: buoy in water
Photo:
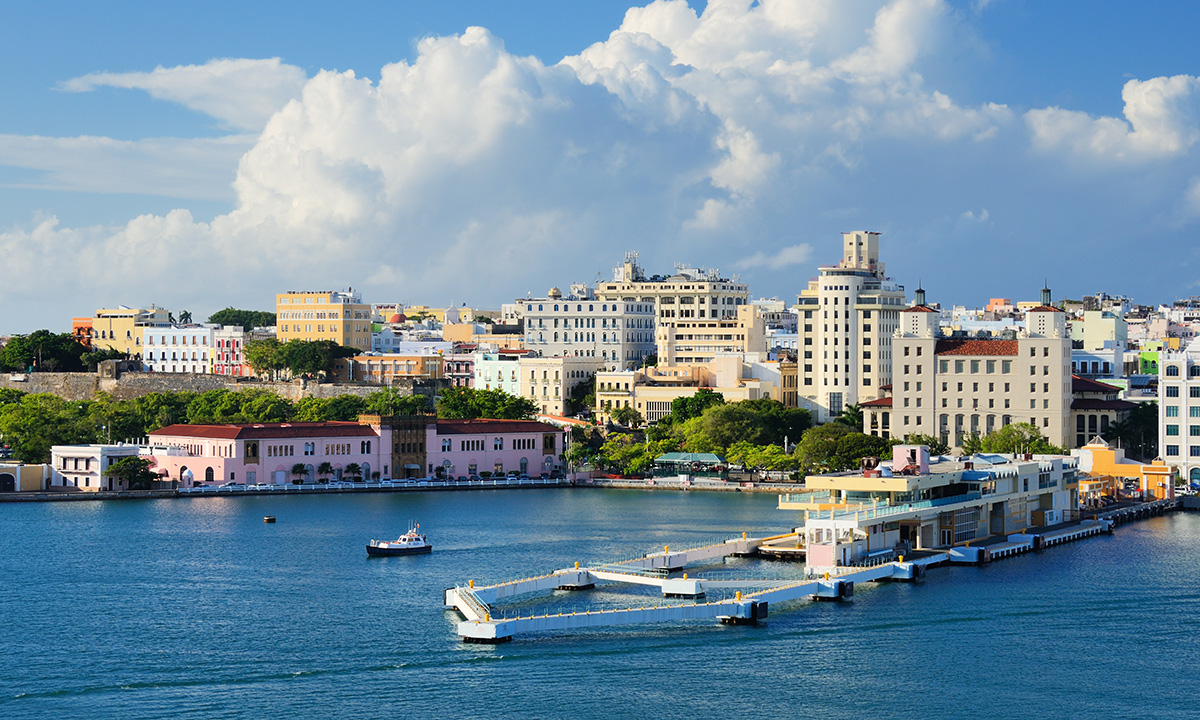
(269, 519)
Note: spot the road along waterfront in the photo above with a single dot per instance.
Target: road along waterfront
(131, 610)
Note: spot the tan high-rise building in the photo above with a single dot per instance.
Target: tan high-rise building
(327, 315)
(844, 334)
(951, 387)
(685, 342)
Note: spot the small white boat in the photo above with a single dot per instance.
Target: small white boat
(410, 543)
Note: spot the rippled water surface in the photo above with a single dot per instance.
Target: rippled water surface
(196, 608)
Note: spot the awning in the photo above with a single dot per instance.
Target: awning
(412, 466)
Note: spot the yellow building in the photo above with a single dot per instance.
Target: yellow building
(120, 328)
(327, 315)
(1103, 465)
(19, 477)
(684, 342)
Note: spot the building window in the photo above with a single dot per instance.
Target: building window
(1172, 430)
(1173, 450)
(1172, 391)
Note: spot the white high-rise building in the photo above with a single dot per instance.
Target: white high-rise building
(847, 318)
(1179, 410)
(689, 294)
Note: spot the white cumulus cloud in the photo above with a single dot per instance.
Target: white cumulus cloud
(784, 258)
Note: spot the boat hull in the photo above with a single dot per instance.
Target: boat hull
(386, 552)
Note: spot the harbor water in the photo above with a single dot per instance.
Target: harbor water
(197, 608)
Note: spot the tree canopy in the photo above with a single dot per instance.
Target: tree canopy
(686, 408)
(1011, 439)
(45, 351)
(134, 472)
(246, 319)
(32, 424)
(464, 403)
(298, 357)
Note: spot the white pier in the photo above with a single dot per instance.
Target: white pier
(749, 604)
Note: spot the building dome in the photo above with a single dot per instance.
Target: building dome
(397, 319)
(555, 293)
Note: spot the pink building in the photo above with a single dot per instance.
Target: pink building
(459, 448)
(267, 452)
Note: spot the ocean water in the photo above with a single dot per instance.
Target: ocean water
(196, 608)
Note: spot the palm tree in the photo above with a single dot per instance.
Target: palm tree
(354, 471)
(325, 469)
(851, 415)
(375, 475)
(298, 473)
(185, 317)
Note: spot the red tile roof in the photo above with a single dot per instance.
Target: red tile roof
(919, 308)
(1043, 308)
(267, 431)
(486, 426)
(963, 346)
(881, 402)
(1082, 384)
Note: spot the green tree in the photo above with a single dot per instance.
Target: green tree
(246, 319)
(390, 401)
(688, 407)
(353, 471)
(933, 442)
(1138, 433)
(817, 451)
(240, 406)
(628, 416)
(299, 472)
(466, 403)
(1019, 438)
(8, 395)
(185, 317)
(972, 443)
(91, 360)
(266, 357)
(43, 350)
(851, 416)
(341, 408)
(582, 397)
(324, 470)
(133, 473)
(37, 422)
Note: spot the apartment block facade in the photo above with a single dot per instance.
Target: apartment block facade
(618, 332)
(690, 293)
(847, 317)
(326, 315)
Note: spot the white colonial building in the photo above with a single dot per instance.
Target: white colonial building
(178, 348)
(617, 333)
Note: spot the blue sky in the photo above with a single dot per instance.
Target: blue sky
(201, 156)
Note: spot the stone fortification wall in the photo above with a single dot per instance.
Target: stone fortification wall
(128, 385)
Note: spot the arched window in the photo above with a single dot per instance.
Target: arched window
(208, 474)
(1172, 371)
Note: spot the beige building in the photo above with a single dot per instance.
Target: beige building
(327, 315)
(548, 381)
(844, 335)
(651, 390)
(384, 368)
(685, 342)
(499, 337)
(121, 328)
(954, 386)
(691, 293)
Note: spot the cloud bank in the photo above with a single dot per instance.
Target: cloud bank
(748, 136)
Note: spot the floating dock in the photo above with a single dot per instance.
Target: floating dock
(752, 597)
(749, 605)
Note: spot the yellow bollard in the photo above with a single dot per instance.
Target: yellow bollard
(685, 576)
(901, 558)
(471, 583)
(576, 564)
(826, 576)
(666, 548)
(487, 617)
(738, 596)
(743, 535)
